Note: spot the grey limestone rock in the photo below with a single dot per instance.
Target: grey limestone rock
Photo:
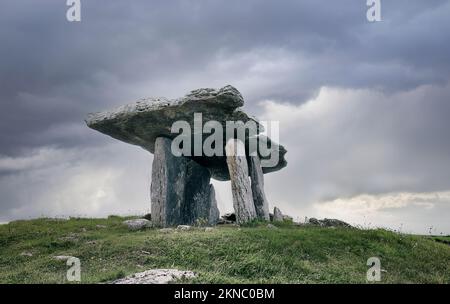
(240, 183)
(277, 215)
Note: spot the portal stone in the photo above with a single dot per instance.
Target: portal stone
(240, 183)
(259, 196)
(180, 189)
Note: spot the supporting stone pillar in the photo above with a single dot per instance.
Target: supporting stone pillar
(167, 187)
(199, 196)
(180, 189)
(240, 183)
(259, 196)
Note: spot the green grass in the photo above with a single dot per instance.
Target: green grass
(253, 254)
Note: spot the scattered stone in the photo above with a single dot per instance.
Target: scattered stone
(27, 253)
(277, 215)
(137, 224)
(83, 229)
(101, 226)
(184, 227)
(62, 257)
(181, 192)
(156, 276)
(166, 230)
(335, 223)
(314, 221)
(209, 229)
(257, 183)
(328, 223)
(270, 226)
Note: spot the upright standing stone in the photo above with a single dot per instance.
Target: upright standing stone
(214, 213)
(180, 189)
(240, 184)
(199, 196)
(167, 187)
(259, 196)
(277, 215)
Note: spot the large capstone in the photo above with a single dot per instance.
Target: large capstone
(140, 123)
(180, 189)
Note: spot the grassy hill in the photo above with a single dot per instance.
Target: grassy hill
(228, 254)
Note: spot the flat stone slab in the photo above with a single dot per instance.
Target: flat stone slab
(156, 276)
(140, 123)
(137, 224)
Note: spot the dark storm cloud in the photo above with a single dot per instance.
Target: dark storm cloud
(53, 72)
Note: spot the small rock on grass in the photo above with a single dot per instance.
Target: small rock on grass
(277, 215)
(137, 224)
(156, 276)
(184, 227)
(166, 230)
(62, 257)
(270, 226)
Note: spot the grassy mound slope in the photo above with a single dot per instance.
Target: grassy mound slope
(227, 254)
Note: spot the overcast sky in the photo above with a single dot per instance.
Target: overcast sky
(363, 107)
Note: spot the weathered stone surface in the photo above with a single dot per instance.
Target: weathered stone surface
(180, 189)
(166, 230)
(277, 215)
(62, 257)
(167, 187)
(259, 196)
(199, 196)
(184, 227)
(214, 213)
(240, 183)
(156, 276)
(142, 122)
(328, 223)
(137, 224)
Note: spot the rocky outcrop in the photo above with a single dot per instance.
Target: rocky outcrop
(277, 215)
(259, 196)
(240, 184)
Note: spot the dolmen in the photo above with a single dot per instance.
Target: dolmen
(200, 136)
